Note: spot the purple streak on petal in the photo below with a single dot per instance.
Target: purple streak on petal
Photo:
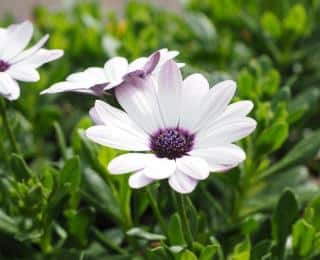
(152, 63)
(99, 89)
(135, 82)
(134, 74)
(146, 70)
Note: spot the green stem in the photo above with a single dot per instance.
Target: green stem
(181, 203)
(45, 242)
(4, 154)
(7, 126)
(156, 210)
(61, 140)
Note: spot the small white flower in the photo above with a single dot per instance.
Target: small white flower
(116, 71)
(182, 129)
(17, 63)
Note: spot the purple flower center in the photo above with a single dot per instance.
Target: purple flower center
(171, 143)
(4, 66)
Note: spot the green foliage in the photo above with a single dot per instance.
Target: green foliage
(58, 200)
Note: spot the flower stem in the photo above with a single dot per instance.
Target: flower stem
(7, 126)
(181, 206)
(156, 210)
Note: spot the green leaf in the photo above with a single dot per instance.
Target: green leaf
(175, 233)
(246, 85)
(188, 255)
(20, 168)
(193, 216)
(158, 253)
(271, 24)
(209, 252)
(304, 103)
(7, 224)
(273, 137)
(283, 95)
(303, 235)
(312, 213)
(47, 180)
(285, 214)
(71, 174)
(272, 82)
(304, 150)
(261, 250)
(242, 251)
(78, 224)
(296, 20)
(96, 191)
(139, 232)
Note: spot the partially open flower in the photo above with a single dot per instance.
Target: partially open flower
(178, 129)
(17, 63)
(116, 71)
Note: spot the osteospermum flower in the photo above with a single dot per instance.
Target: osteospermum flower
(115, 72)
(17, 63)
(175, 129)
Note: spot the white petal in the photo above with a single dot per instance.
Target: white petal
(182, 183)
(166, 55)
(138, 98)
(221, 167)
(195, 167)
(137, 64)
(116, 118)
(95, 116)
(226, 133)
(91, 76)
(17, 39)
(9, 88)
(117, 138)
(234, 113)
(194, 89)
(129, 162)
(79, 82)
(181, 64)
(139, 180)
(23, 73)
(236, 110)
(115, 69)
(66, 87)
(160, 168)
(215, 103)
(41, 57)
(29, 52)
(221, 158)
(169, 93)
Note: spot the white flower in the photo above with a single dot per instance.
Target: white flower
(17, 63)
(116, 71)
(177, 129)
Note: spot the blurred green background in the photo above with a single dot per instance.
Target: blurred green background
(59, 201)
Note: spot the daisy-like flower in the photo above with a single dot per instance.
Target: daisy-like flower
(116, 71)
(17, 63)
(176, 129)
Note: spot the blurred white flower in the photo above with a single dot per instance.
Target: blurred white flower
(17, 63)
(116, 71)
(182, 129)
